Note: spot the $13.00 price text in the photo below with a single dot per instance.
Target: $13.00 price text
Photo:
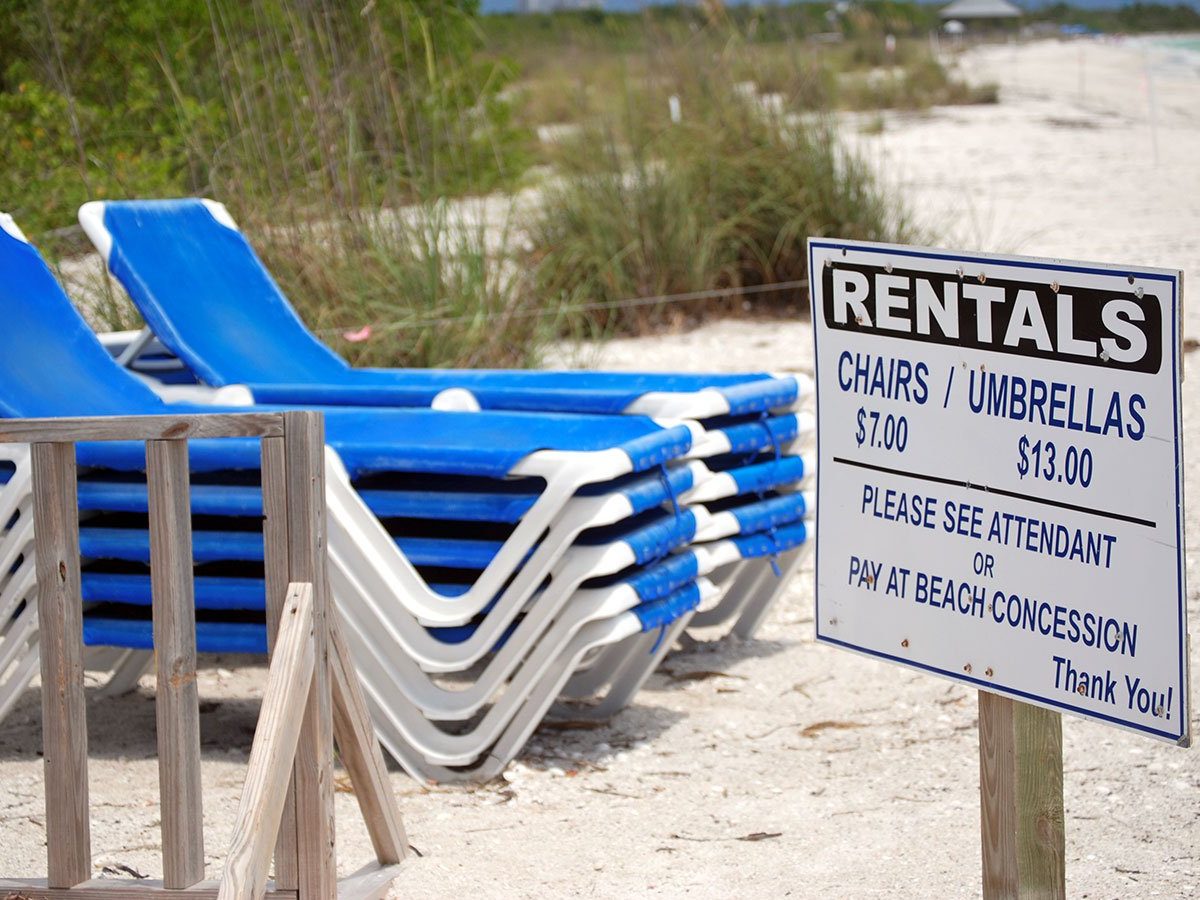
(1061, 464)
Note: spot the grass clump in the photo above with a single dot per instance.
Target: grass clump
(346, 125)
(919, 85)
(723, 198)
(430, 285)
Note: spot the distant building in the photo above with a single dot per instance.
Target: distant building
(549, 6)
(984, 13)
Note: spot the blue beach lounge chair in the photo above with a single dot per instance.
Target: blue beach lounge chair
(53, 366)
(205, 294)
(423, 747)
(44, 334)
(18, 392)
(207, 297)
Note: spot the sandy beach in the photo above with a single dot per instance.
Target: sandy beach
(777, 767)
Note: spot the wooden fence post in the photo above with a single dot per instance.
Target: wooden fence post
(1021, 800)
(276, 569)
(177, 710)
(304, 450)
(60, 627)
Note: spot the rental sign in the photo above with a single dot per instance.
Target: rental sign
(1000, 475)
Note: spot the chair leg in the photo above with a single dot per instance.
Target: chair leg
(615, 660)
(755, 611)
(130, 667)
(18, 679)
(521, 724)
(591, 680)
(740, 585)
(640, 665)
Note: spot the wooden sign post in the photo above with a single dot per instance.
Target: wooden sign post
(313, 696)
(1021, 800)
(1000, 489)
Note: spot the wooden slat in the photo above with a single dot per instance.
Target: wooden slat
(360, 753)
(275, 539)
(177, 706)
(274, 749)
(1021, 808)
(141, 428)
(60, 622)
(121, 889)
(368, 883)
(371, 882)
(304, 448)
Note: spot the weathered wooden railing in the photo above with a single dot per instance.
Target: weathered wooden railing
(312, 692)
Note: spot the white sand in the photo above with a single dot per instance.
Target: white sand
(867, 773)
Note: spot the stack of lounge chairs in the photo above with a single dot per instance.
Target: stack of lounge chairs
(497, 540)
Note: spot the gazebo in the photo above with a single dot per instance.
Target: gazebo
(981, 13)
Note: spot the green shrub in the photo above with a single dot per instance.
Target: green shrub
(921, 84)
(722, 199)
(310, 120)
(323, 104)
(437, 286)
(331, 129)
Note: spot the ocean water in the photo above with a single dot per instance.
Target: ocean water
(1175, 55)
(1189, 43)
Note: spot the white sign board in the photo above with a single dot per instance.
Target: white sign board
(1000, 475)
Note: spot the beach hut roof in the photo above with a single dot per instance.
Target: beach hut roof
(981, 9)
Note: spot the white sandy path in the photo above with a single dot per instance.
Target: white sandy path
(884, 803)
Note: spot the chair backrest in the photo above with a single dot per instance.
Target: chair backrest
(208, 297)
(205, 293)
(50, 361)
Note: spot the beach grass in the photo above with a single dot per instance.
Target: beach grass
(699, 180)
(677, 151)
